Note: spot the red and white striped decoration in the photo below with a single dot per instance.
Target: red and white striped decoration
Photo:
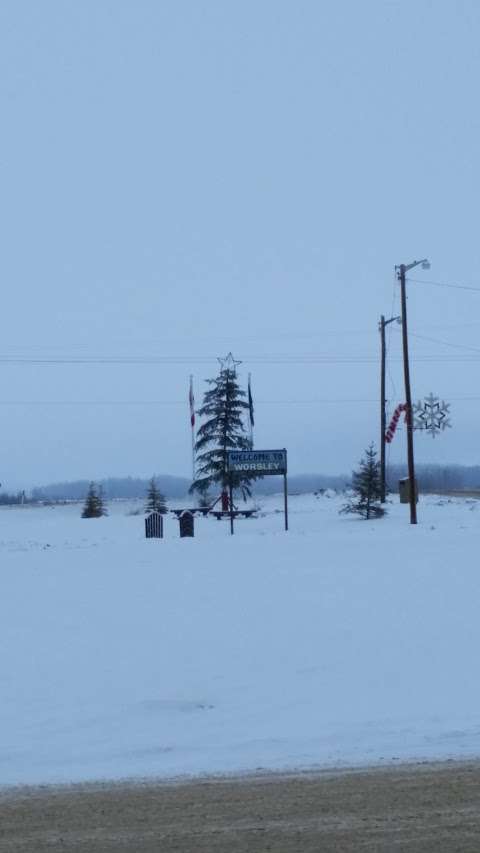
(402, 407)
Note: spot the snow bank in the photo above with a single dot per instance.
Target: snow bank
(341, 642)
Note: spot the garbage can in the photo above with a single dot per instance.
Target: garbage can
(404, 490)
(154, 526)
(186, 523)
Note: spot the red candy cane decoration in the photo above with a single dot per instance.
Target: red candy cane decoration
(402, 407)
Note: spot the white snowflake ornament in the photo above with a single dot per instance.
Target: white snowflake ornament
(431, 415)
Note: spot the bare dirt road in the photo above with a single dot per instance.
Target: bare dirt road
(414, 808)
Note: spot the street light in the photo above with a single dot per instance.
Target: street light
(383, 415)
(401, 271)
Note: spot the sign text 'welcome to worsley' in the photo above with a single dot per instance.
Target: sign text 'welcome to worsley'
(257, 461)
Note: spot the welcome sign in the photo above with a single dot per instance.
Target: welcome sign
(262, 462)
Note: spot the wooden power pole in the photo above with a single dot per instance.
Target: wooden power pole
(401, 273)
(383, 414)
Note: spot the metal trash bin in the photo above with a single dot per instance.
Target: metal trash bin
(404, 490)
(186, 524)
(154, 526)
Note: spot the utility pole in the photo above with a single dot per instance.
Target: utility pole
(401, 273)
(383, 414)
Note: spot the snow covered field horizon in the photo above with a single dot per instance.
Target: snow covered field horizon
(340, 643)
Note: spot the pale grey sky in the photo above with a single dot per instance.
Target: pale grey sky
(184, 178)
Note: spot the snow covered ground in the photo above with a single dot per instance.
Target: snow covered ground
(341, 642)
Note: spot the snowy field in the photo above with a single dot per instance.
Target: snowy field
(342, 642)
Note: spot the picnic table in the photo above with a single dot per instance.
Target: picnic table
(217, 513)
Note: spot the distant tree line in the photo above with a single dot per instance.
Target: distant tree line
(177, 487)
(301, 483)
(113, 487)
(7, 499)
(431, 478)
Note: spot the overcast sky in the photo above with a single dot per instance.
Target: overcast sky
(181, 178)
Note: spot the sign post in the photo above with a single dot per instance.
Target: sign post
(230, 498)
(264, 462)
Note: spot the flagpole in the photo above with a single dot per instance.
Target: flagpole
(250, 406)
(192, 422)
(193, 453)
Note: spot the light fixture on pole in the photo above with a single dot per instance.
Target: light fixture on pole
(401, 271)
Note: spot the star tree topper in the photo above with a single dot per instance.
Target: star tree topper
(229, 363)
(431, 415)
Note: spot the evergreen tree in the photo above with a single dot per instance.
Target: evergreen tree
(223, 430)
(155, 499)
(94, 506)
(367, 487)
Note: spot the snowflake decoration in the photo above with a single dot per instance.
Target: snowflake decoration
(431, 415)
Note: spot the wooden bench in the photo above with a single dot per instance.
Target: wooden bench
(219, 514)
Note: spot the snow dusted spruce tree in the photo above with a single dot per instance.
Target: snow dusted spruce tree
(155, 501)
(94, 506)
(367, 487)
(222, 430)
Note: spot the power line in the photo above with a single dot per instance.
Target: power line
(266, 361)
(451, 285)
(278, 336)
(446, 343)
(292, 402)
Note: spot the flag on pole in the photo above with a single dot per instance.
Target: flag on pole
(250, 402)
(191, 401)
